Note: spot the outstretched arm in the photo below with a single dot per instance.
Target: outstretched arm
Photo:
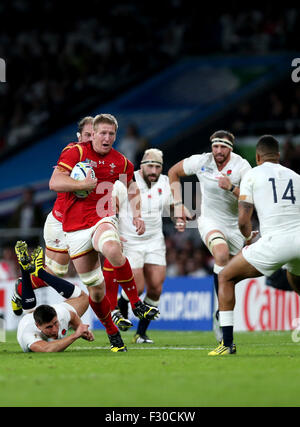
(61, 181)
(179, 210)
(60, 344)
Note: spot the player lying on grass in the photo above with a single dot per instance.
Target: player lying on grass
(45, 328)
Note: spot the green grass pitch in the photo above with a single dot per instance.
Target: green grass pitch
(173, 372)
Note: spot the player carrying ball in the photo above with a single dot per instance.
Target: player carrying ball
(91, 225)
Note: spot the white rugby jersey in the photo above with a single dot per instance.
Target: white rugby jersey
(275, 192)
(28, 333)
(153, 202)
(217, 203)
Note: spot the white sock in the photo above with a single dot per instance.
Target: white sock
(150, 301)
(226, 318)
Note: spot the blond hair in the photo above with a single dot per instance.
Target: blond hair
(105, 118)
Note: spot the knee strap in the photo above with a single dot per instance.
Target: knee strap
(92, 278)
(215, 239)
(106, 236)
(58, 269)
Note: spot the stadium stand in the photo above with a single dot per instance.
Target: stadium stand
(148, 68)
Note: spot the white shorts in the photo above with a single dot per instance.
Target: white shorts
(147, 252)
(270, 253)
(234, 238)
(80, 242)
(54, 236)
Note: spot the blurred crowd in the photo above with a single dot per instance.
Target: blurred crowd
(61, 58)
(277, 112)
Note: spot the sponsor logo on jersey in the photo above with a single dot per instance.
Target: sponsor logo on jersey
(206, 169)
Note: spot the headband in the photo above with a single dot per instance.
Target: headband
(152, 162)
(221, 141)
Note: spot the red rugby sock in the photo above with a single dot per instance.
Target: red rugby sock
(111, 284)
(102, 311)
(125, 279)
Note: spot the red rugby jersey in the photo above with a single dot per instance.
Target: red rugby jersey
(59, 204)
(84, 213)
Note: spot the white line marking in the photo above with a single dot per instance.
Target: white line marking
(143, 348)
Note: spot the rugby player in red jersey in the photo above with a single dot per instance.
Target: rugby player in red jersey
(91, 225)
(56, 254)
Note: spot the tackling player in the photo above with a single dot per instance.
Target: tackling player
(274, 191)
(91, 225)
(45, 328)
(219, 174)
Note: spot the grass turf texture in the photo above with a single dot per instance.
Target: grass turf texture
(173, 372)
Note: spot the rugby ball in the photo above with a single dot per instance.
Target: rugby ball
(79, 172)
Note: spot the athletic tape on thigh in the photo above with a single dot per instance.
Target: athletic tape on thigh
(55, 267)
(92, 278)
(215, 239)
(107, 236)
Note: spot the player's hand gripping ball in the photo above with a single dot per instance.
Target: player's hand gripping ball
(79, 172)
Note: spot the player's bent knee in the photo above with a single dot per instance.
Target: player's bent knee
(92, 278)
(106, 236)
(59, 270)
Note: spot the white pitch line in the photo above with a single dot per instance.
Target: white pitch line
(144, 348)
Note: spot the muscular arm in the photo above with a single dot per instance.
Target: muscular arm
(134, 198)
(245, 215)
(53, 346)
(175, 173)
(81, 331)
(61, 182)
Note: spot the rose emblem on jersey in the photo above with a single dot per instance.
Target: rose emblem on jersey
(229, 172)
(159, 191)
(63, 332)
